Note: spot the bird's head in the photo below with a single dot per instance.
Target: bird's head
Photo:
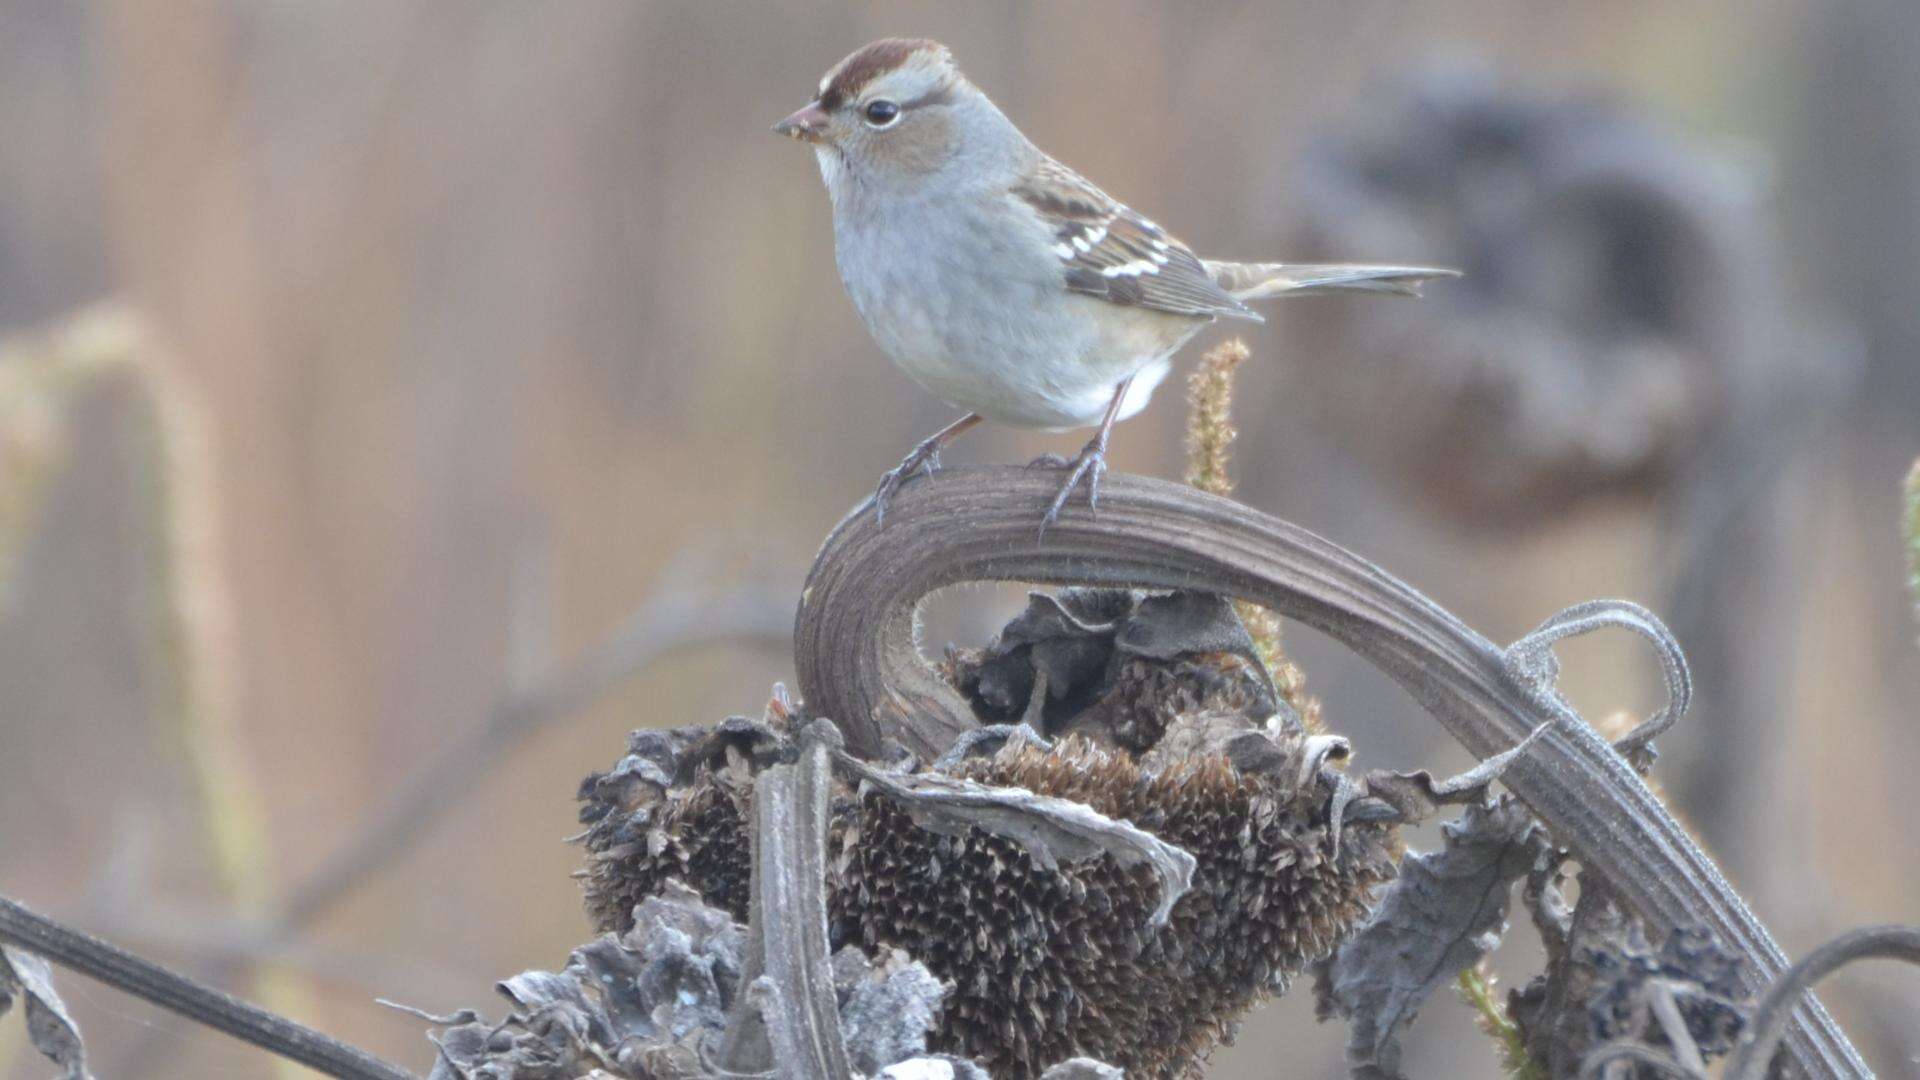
(897, 114)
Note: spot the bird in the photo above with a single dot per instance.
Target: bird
(1004, 282)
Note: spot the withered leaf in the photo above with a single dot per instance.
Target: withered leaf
(1443, 913)
(49, 1025)
(1416, 795)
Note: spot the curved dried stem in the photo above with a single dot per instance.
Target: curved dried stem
(124, 971)
(1596, 1064)
(859, 663)
(1532, 658)
(1758, 1042)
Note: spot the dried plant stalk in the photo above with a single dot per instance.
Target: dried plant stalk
(1210, 430)
(197, 1002)
(1210, 435)
(190, 646)
(859, 663)
(1910, 526)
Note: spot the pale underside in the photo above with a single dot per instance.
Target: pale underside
(981, 317)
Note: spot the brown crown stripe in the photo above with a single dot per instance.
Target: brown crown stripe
(868, 64)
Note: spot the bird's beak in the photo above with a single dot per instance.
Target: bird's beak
(808, 125)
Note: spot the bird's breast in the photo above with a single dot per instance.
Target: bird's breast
(977, 313)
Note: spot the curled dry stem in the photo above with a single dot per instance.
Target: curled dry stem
(1759, 1041)
(859, 663)
(1534, 664)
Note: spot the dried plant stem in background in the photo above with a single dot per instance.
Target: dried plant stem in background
(1477, 986)
(195, 635)
(1210, 430)
(195, 661)
(41, 936)
(1910, 526)
(1210, 435)
(40, 375)
(190, 611)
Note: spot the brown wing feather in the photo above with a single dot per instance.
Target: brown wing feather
(1108, 250)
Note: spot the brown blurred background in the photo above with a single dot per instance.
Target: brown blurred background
(369, 364)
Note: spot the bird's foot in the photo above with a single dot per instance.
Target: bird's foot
(922, 460)
(1090, 464)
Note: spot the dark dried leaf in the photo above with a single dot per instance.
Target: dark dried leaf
(1416, 795)
(49, 1024)
(629, 1005)
(1069, 649)
(1443, 913)
(1167, 625)
(678, 981)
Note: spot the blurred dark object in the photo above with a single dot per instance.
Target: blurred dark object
(1605, 982)
(1852, 171)
(1116, 665)
(1623, 331)
(1605, 332)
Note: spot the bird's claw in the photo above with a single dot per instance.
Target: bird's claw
(923, 460)
(1091, 463)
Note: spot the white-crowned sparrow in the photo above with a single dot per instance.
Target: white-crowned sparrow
(1000, 279)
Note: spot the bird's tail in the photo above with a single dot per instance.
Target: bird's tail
(1261, 281)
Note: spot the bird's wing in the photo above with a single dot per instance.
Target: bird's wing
(1110, 251)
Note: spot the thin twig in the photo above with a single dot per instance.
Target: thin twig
(203, 1004)
(1595, 1065)
(671, 621)
(858, 663)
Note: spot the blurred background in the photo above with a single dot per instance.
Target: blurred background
(400, 402)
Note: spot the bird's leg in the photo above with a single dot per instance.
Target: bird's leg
(1091, 462)
(924, 458)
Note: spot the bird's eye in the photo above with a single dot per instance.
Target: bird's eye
(881, 113)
